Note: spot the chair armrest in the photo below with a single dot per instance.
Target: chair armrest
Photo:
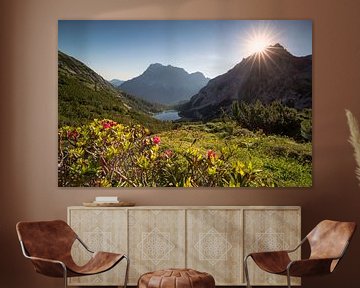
(268, 253)
(45, 260)
(271, 261)
(281, 251)
(84, 245)
(48, 267)
(309, 267)
(298, 246)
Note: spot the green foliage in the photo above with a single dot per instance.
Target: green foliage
(306, 129)
(274, 118)
(283, 161)
(141, 104)
(79, 104)
(107, 154)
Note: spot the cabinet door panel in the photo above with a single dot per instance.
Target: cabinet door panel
(157, 240)
(100, 230)
(270, 230)
(214, 244)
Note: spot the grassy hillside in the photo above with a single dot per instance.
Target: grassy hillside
(83, 96)
(282, 161)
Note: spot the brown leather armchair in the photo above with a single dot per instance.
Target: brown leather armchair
(328, 242)
(48, 245)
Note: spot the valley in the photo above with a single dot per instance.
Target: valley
(250, 127)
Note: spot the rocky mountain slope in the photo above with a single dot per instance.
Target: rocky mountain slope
(165, 84)
(272, 75)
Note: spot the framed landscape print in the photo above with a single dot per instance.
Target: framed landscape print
(165, 103)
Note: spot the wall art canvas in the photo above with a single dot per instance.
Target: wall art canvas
(165, 103)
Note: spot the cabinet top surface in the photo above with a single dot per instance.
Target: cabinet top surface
(192, 207)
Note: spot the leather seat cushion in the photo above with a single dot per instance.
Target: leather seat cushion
(176, 278)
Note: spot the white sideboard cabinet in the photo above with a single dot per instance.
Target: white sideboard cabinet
(210, 239)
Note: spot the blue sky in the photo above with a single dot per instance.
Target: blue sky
(124, 49)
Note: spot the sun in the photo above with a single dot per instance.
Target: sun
(258, 44)
(259, 39)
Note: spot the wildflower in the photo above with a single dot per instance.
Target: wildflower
(108, 124)
(72, 135)
(211, 154)
(156, 140)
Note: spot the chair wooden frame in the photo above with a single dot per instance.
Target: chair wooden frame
(314, 265)
(59, 268)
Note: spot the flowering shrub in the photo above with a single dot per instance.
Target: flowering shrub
(108, 154)
(156, 140)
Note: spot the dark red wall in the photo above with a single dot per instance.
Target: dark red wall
(28, 126)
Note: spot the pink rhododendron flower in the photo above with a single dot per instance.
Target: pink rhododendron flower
(108, 124)
(211, 154)
(156, 140)
(72, 135)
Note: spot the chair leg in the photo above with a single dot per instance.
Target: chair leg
(127, 271)
(65, 276)
(288, 278)
(246, 270)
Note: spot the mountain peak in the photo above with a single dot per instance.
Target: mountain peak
(155, 65)
(277, 45)
(165, 84)
(273, 52)
(275, 75)
(278, 49)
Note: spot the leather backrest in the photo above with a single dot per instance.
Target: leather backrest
(47, 239)
(329, 238)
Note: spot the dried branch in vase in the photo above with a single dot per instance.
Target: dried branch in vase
(354, 139)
